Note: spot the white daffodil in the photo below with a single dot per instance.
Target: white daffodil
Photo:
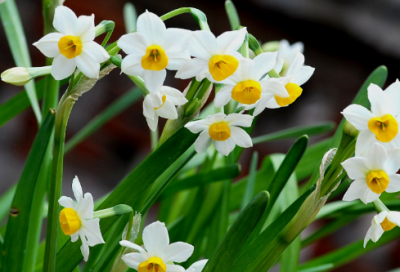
(215, 58)
(153, 48)
(73, 46)
(197, 266)
(286, 55)
(246, 85)
(373, 174)
(76, 219)
(384, 221)
(163, 104)
(159, 254)
(297, 74)
(381, 124)
(223, 131)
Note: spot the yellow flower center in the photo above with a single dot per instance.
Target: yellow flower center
(247, 92)
(377, 181)
(222, 66)
(69, 221)
(219, 131)
(385, 128)
(155, 58)
(154, 264)
(294, 91)
(163, 101)
(70, 46)
(387, 225)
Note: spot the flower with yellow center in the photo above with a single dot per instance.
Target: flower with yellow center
(215, 58)
(222, 130)
(76, 219)
(73, 45)
(381, 124)
(153, 48)
(159, 255)
(373, 174)
(247, 85)
(296, 75)
(384, 221)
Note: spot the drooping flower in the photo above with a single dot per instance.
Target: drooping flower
(297, 75)
(215, 58)
(154, 48)
(73, 46)
(222, 130)
(247, 85)
(373, 174)
(286, 55)
(162, 103)
(158, 254)
(197, 266)
(384, 221)
(76, 219)
(381, 124)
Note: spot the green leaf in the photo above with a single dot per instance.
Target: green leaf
(197, 14)
(238, 233)
(19, 48)
(18, 221)
(232, 15)
(295, 132)
(321, 268)
(5, 201)
(130, 17)
(248, 194)
(132, 190)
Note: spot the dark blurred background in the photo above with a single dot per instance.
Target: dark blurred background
(344, 39)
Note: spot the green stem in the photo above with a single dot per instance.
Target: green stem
(232, 15)
(273, 74)
(154, 139)
(379, 206)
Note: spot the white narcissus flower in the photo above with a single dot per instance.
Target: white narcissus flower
(215, 58)
(247, 87)
(197, 266)
(76, 219)
(297, 74)
(381, 124)
(158, 254)
(384, 221)
(286, 55)
(154, 48)
(73, 46)
(373, 174)
(163, 104)
(222, 130)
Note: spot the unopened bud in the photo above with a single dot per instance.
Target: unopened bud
(19, 76)
(350, 130)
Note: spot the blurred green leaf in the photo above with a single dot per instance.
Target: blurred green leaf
(232, 15)
(6, 200)
(321, 268)
(130, 17)
(249, 192)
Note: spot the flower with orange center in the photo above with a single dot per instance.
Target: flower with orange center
(76, 219)
(381, 124)
(373, 174)
(73, 45)
(159, 255)
(384, 221)
(222, 130)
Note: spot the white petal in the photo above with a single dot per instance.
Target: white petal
(393, 92)
(191, 68)
(85, 251)
(65, 20)
(91, 229)
(133, 259)
(364, 141)
(376, 157)
(167, 111)
(177, 59)
(376, 233)
(178, 252)
(394, 184)
(379, 218)
(303, 75)
(262, 104)
(230, 41)
(296, 64)
(175, 268)
(151, 27)
(66, 202)
(149, 104)
(279, 65)
(263, 63)
(85, 207)
(224, 147)
(153, 80)
(152, 123)
(380, 103)
(240, 137)
(132, 65)
(74, 237)
(198, 266)
(85, 28)
(356, 167)
(355, 190)
(77, 189)
(368, 236)
(133, 43)
(176, 40)
(48, 45)
(368, 196)
(87, 66)
(394, 217)
(203, 44)
(197, 126)
(392, 164)
(223, 96)
(62, 67)
(237, 119)
(173, 95)
(358, 116)
(202, 142)
(274, 86)
(155, 238)
(129, 244)
(95, 52)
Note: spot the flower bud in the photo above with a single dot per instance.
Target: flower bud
(19, 76)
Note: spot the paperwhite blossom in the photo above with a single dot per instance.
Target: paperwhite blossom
(286, 55)
(384, 221)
